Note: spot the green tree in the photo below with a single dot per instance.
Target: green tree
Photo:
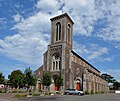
(16, 78)
(59, 81)
(108, 78)
(2, 79)
(116, 85)
(46, 80)
(29, 78)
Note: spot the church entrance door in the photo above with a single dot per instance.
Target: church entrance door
(78, 86)
(39, 86)
(56, 88)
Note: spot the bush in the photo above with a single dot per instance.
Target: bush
(36, 93)
(30, 92)
(86, 92)
(41, 91)
(20, 96)
(2, 91)
(51, 93)
(14, 91)
(58, 92)
(91, 92)
(96, 92)
(102, 92)
(46, 93)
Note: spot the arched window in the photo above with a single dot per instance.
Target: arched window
(69, 34)
(58, 31)
(53, 65)
(56, 62)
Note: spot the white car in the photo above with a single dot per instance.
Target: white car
(73, 92)
(117, 92)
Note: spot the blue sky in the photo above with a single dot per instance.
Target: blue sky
(25, 32)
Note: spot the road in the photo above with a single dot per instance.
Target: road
(98, 97)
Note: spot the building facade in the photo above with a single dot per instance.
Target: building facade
(60, 59)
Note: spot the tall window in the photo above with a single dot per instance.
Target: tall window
(58, 31)
(69, 34)
(56, 62)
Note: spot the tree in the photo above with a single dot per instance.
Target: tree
(108, 78)
(116, 85)
(16, 78)
(59, 81)
(29, 78)
(2, 79)
(46, 80)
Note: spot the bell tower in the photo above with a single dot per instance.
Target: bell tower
(57, 59)
(62, 30)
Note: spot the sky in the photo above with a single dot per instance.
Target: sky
(25, 30)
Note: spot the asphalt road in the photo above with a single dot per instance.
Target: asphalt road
(98, 97)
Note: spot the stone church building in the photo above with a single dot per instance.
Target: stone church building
(61, 59)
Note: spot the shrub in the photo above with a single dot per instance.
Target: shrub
(96, 92)
(58, 92)
(36, 93)
(91, 92)
(14, 91)
(102, 92)
(51, 93)
(86, 92)
(2, 91)
(41, 91)
(46, 93)
(20, 96)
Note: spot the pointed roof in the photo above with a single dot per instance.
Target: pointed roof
(61, 16)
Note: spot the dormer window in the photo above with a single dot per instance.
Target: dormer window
(58, 31)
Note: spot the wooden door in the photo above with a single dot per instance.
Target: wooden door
(39, 86)
(78, 86)
(56, 88)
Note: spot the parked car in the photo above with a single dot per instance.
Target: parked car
(117, 91)
(73, 92)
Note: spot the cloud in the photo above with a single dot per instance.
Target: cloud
(17, 17)
(88, 15)
(27, 49)
(37, 23)
(33, 32)
(29, 44)
(83, 13)
(80, 48)
(49, 6)
(92, 52)
(3, 20)
(97, 53)
(110, 12)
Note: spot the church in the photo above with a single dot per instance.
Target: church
(60, 59)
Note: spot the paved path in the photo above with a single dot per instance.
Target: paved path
(97, 97)
(7, 97)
